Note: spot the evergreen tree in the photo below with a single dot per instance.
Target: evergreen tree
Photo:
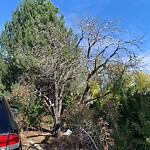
(37, 41)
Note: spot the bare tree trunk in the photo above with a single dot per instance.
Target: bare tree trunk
(57, 123)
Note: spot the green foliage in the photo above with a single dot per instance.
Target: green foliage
(148, 140)
(142, 82)
(2, 87)
(94, 88)
(11, 76)
(134, 121)
(127, 112)
(25, 22)
(67, 100)
(30, 108)
(20, 37)
(3, 69)
(34, 114)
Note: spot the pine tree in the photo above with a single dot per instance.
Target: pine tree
(37, 41)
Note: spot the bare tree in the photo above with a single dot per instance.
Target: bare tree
(57, 63)
(104, 48)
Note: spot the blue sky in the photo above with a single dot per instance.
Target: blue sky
(133, 14)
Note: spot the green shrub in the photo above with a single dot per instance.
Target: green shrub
(30, 108)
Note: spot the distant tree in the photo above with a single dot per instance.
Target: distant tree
(141, 81)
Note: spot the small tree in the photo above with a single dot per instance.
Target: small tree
(57, 70)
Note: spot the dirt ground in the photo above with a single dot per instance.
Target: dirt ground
(48, 142)
(35, 136)
(45, 139)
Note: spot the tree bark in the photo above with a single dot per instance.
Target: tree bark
(57, 124)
